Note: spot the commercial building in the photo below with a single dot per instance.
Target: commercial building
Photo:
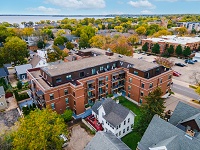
(99, 73)
(166, 41)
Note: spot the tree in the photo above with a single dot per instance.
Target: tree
(59, 41)
(170, 50)
(97, 41)
(69, 45)
(19, 85)
(67, 115)
(40, 44)
(153, 105)
(40, 130)
(161, 33)
(186, 51)
(15, 50)
(179, 50)
(182, 31)
(141, 30)
(87, 33)
(119, 28)
(60, 32)
(156, 48)
(164, 62)
(28, 31)
(133, 39)
(3, 33)
(198, 48)
(145, 47)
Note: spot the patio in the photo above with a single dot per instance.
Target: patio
(94, 123)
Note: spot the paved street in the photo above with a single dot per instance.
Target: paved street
(185, 91)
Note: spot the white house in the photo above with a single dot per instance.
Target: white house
(3, 103)
(114, 117)
(40, 59)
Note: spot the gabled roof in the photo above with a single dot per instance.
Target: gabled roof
(196, 118)
(3, 73)
(182, 112)
(96, 106)
(114, 113)
(35, 60)
(22, 68)
(161, 133)
(106, 141)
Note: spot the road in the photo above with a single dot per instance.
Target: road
(185, 91)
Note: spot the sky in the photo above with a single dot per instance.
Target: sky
(99, 7)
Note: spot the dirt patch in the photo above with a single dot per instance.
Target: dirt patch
(79, 138)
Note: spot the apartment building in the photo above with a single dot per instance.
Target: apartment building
(166, 41)
(190, 25)
(99, 73)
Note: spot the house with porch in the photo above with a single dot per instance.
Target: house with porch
(113, 117)
(21, 71)
(3, 103)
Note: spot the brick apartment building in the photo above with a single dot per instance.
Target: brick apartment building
(99, 73)
(166, 41)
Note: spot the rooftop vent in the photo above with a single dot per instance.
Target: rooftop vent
(109, 52)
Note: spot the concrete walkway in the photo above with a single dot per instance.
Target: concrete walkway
(185, 84)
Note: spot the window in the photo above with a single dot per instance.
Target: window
(129, 87)
(51, 96)
(106, 85)
(117, 127)
(141, 93)
(93, 71)
(157, 70)
(135, 73)
(82, 74)
(142, 85)
(114, 65)
(168, 84)
(150, 85)
(124, 131)
(128, 120)
(52, 105)
(124, 122)
(120, 126)
(119, 133)
(68, 77)
(130, 80)
(74, 103)
(66, 91)
(74, 94)
(58, 80)
(129, 95)
(127, 128)
(101, 68)
(160, 80)
(106, 78)
(67, 100)
(170, 76)
(108, 66)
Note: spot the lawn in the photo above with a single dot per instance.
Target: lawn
(131, 139)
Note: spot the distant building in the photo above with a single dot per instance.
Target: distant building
(114, 117)
(190, 25)
(182, 132)
(3, 103)
(166, 41)
(106, 141)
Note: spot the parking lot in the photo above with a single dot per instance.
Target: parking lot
(188, 73)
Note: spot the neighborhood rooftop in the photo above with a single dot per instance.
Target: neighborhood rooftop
(54, 70)
(106, 141)
(175, 39)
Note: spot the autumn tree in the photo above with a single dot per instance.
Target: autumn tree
(15, 50)
(145, 47)
(119, 28)
(162, 33)
(87, 33)
(55, 54)
(182, 31)
(59, 41)
(41, 129)
(179, 50)
(186, 51)
(164, 62)
(133, 39)
(141, 30)
(69, 45)
(28, 31)
(60, 32)
(156, 48)
(3, 33)
(97, 41)
(153, 105)
(41, 44)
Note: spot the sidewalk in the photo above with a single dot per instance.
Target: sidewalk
(181, 83)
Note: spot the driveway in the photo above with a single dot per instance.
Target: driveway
(79, 138)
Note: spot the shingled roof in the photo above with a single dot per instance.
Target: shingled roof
(106, 141)
(161, 133)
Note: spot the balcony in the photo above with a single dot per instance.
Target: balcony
(91, 88)
(102, 92)
(91, 96)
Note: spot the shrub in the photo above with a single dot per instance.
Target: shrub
(193, 86)
(67, 115)
(19, 85)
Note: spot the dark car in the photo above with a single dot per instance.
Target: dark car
(188, 61)
(180, 64)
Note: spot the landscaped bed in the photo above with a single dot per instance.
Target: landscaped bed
(131, 139)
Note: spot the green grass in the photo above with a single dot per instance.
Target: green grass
(131, 139)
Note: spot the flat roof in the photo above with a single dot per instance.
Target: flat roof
(67, 67)
(175, 39)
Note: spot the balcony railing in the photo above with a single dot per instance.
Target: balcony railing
(91, 88)
(91, 96)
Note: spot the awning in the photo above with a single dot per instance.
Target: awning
(39, 93)
(121, 71)
(91, 81)
(101, 78)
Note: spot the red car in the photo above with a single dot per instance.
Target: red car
(175, 73)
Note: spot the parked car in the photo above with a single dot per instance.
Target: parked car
(143, 53)
(195, 60)
(180, 64)
(148, 54)
(188, 61)
(175, 73)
